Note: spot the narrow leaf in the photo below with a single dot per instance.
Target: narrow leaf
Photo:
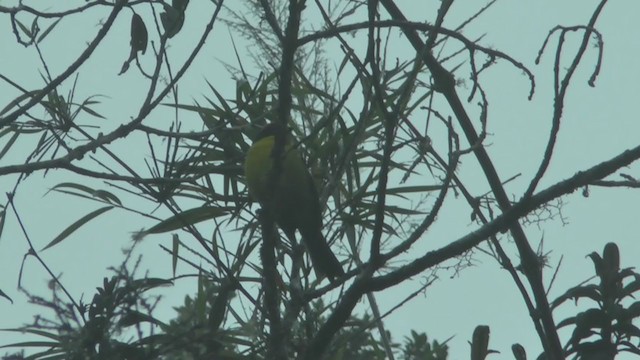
(8, 145)
(24, 29)
(6, 296)
(17, 100)
(3, 215)
(48, 30)
(34, 332)
(188, 217)
(133, 317)
(27, 344)
(101, 194)
(76, 225)
(174, 253)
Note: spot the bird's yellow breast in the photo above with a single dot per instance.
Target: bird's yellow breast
(257, 167)
(293, 183)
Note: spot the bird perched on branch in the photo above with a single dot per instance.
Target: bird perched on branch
(278, 179)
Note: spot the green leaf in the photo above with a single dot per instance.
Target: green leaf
(174, 253)
(597, 263)
(480, 343)
(2, 294)
(76, 225)
(139, 35)
(585, 322)
(592, 319)
(3, 216)
(634, 310)
(412, 189)
(17, 100)
(32, 344)
(567, 321)
(24, 29)
(150, 283)
(9, 143)
(42, 333)
(100, 194)
(611, 257)
(48, 30)
(518, 352)
(188, 217)
(107, 196)
(201, 298)
(628, 329)
(587, 291)
(628, 290)
(85, 106)
(34, 26)
(133, 317)
(219, 307)
(172, 18)
(74, 186)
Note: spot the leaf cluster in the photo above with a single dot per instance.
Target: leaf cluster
(606, 328)
(119, 324)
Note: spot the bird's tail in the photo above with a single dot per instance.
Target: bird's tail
(323, 260)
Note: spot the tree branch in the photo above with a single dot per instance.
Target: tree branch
(504, 221)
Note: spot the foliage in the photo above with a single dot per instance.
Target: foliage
(606, 329)
(600, 332)
(119, 324)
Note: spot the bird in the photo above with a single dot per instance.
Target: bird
(289, 195)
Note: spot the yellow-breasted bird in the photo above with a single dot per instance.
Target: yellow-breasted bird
(290, 196)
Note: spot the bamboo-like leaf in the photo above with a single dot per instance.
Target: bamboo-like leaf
(24, 29)
(9, 143)
(221, 99)
(75, 186)
(396, 210)
(34, 26)
(399, 191)
(76, 225)
(188, 217)
(2, 294)
(3, 215)
(48, 30)
(200, 305)
(391, 209)
(174, 253)
(17, 100)
(26, 344)
(133, 317)
(91, 193)
(6, 130)
(219, 307)
(196, 108)
(52, 336)
(150, 283)
(107, 196)
(85, 107)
